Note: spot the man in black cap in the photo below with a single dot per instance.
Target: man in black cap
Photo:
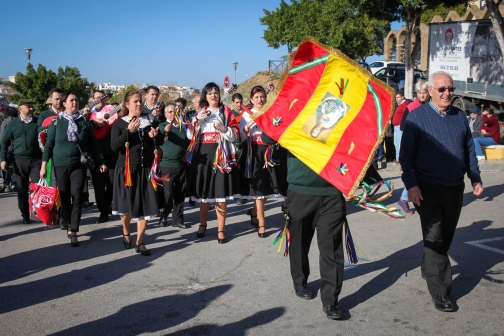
(22, 132)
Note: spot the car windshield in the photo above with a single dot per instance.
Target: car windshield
(376, 64)
(381, 72)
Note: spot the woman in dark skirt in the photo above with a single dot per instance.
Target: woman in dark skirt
(258, 164)
(213, 177)
(134, 136)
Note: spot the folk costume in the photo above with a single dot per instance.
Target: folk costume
(214, 175)
(134, 193)
(68, 136)
(23, 136)
(174, 145)
(258, 163)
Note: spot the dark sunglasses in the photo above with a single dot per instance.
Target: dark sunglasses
(442, 89)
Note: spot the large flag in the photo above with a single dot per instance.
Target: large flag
(330, 113)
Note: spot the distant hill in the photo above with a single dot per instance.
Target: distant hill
(263, 78)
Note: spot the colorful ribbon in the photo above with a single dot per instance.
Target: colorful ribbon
(364, 200)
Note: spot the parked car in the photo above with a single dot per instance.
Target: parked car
(395, 76)
(378, 65)
(365, 66)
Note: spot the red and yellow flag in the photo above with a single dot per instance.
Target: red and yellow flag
(330, 113)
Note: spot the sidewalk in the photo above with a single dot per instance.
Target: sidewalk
(484, 165)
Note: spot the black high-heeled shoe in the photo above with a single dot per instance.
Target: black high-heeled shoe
(201, 234)
(127, 245)
(262, 235)
(142, 252)
(254, 224)
(73, 240)
(69, 235)
(223, 240)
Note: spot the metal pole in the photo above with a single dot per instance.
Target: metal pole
(235, 65)
(28, 52)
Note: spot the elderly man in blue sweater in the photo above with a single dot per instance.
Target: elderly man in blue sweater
(437, 150)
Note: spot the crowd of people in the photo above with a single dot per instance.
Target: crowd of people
(146, 159)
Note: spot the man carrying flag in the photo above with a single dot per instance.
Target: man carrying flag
(330, 115)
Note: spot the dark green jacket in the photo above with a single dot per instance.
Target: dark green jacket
(302, 179)
(160, 118)
(24, 138)
(174, 147)
(43, 116)
(65, 153)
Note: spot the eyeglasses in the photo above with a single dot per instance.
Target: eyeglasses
(442, 89)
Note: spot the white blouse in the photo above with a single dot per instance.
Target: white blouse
(255, 130)
(207, 126)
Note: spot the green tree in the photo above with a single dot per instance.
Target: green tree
(119, 96)
(442, 10)
(36, 84)
(336, 23)
(409, 12)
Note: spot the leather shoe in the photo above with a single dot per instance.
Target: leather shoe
(26, 219)
(303, 292)
(332, 312)
(102, 219)
(180, 225)
(163, 221)
(442, 303)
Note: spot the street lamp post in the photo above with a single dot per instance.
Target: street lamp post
(235, 65)
(28, 52)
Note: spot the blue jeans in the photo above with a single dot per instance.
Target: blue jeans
(483, 141)
(404, 195)
(397, 140)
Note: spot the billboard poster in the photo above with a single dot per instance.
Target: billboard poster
(468, 51)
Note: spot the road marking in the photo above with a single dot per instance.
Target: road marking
(479, 243)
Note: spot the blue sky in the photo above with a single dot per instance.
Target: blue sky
(124, 42)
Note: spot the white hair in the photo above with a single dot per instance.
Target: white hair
(194, 98)
(421, 85)
(438, 73)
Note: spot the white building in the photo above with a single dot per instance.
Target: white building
(110, 87)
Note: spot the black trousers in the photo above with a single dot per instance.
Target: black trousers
(70, 182)
(174, 193)
(326, 214)
(103, 188)
(390, 151)
(25, 169)
(439, 214)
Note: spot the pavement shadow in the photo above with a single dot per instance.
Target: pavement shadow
(23, 264)
(238, 328)
(488, 195)
(474, 262)
(472, 266)
(393, 267)
(150, 316)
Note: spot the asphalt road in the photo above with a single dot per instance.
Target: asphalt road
(192, 286)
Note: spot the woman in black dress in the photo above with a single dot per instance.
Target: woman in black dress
(258, 166)
(134, 137)
(213, 180)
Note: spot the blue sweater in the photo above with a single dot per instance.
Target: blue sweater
(437, 150)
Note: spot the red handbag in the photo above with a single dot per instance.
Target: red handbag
(44, 202)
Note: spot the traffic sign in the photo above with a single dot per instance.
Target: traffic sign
(227, 82)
